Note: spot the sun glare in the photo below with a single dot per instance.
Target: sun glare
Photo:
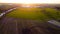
(29, 1)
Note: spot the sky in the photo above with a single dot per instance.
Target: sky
(31, 1)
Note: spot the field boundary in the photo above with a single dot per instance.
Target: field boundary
(2, 14)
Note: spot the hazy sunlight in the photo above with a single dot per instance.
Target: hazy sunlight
(30, 1)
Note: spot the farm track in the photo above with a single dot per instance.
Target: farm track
(19, 26)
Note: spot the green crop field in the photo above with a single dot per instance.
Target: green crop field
(42, 14)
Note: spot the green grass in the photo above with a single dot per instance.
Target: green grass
(35, 13)
(55, 14)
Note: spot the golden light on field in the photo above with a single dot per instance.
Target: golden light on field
(30, 1)
(28, 5)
